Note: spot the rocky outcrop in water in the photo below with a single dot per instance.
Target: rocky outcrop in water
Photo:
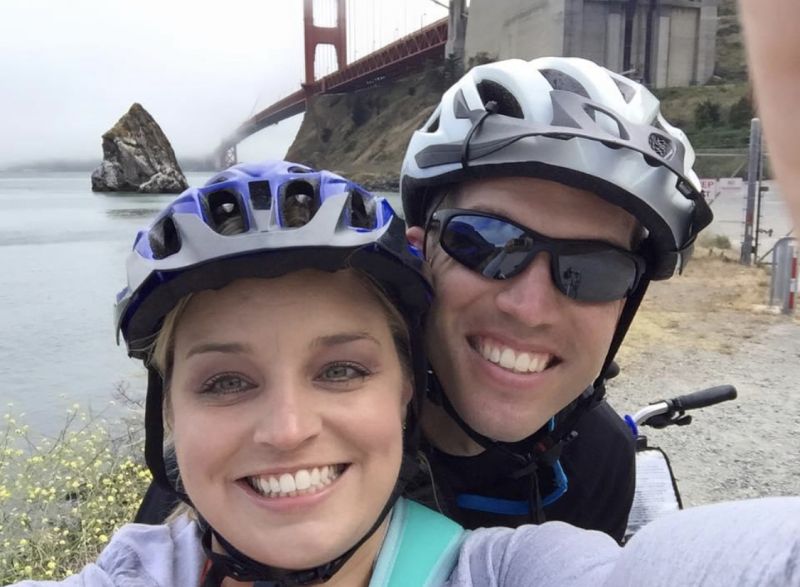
(137, 157)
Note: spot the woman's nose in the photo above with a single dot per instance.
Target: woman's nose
(288, 418)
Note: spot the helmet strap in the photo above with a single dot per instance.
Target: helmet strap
(491, 108)
(154, 433)
(629, 310)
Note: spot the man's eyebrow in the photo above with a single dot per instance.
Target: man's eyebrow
(217, 347)
(488, 209)
(343, 338)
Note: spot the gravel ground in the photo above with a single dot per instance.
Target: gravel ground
(707, 328)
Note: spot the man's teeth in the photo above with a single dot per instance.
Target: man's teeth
(508, 358)
(301, 482)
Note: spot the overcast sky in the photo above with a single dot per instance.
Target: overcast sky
(69, 69)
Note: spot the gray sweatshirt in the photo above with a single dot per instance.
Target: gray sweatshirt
(753, 543)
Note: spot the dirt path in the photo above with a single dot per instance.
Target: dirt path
(706, 328)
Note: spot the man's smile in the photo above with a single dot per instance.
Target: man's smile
(511, 359)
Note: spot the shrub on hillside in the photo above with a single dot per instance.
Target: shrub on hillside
(741, 113)
(715, 241)
(61, 499)
(360, 113)
(707, 113)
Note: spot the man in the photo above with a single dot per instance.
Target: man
(545, 196)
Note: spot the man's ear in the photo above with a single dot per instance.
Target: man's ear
(416, 237)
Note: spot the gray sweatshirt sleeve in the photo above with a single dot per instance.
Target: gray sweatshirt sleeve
(553, 554)
(142, 556)
(752, 543)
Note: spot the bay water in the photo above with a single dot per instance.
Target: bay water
(62, 262)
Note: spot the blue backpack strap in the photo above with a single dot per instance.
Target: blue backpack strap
(420, 548)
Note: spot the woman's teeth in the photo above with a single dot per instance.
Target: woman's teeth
(301, 482)
(508, 358)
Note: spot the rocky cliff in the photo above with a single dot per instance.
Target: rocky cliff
(363, 135)
(137, 157)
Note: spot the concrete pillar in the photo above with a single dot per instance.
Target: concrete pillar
(661, 51)
(573, 28)
(706, 43)
(515, 28)
(456, 30)
(614, 40)
(682, 46)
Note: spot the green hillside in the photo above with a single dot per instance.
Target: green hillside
(717, 116)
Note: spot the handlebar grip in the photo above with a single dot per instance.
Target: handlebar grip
(705, 397)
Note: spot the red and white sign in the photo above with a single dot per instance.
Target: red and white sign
(709, 187)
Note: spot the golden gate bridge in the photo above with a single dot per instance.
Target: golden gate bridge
(403, 55)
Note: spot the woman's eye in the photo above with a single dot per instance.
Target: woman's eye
(343, 372)
(226, 383)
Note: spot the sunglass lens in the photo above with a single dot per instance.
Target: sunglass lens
(490, 246)
(597, 276)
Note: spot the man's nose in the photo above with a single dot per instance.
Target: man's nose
(531, 296)
(288, 417)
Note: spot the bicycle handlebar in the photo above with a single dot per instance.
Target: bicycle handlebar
(704, 397)
(670, 411)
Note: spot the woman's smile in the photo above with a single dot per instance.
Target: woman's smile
(306, 481)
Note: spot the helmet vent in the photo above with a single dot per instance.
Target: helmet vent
(217, 179)
(164, 239)
(299, 204)
(660, 145)
(559, 80)
(362, 215)
(507, 104)
(260, 195)
(607, 122)
(225, 212)
(627, 91)
(298, 169)
(433, 126)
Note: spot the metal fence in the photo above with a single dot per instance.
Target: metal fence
(783, 286)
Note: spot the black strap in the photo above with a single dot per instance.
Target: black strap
(491, 108)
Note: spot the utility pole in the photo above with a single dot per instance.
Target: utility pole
(753, 182)
(456, 35)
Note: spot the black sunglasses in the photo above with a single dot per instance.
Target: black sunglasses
(497, 248)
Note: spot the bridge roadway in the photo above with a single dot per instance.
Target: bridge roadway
(397, 57)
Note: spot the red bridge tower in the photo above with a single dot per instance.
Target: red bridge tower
(319, 35)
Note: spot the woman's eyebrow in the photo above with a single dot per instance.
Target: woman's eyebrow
(343, 338)
(218, 347)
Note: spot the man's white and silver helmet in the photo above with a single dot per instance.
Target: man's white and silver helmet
(568, 120)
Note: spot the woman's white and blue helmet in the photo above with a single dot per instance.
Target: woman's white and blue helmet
(263, 220)
(259, 221)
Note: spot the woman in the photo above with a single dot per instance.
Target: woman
(285, 365)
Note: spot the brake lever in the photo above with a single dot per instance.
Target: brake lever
(664, 420)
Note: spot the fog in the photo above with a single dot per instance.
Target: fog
(71, 69)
